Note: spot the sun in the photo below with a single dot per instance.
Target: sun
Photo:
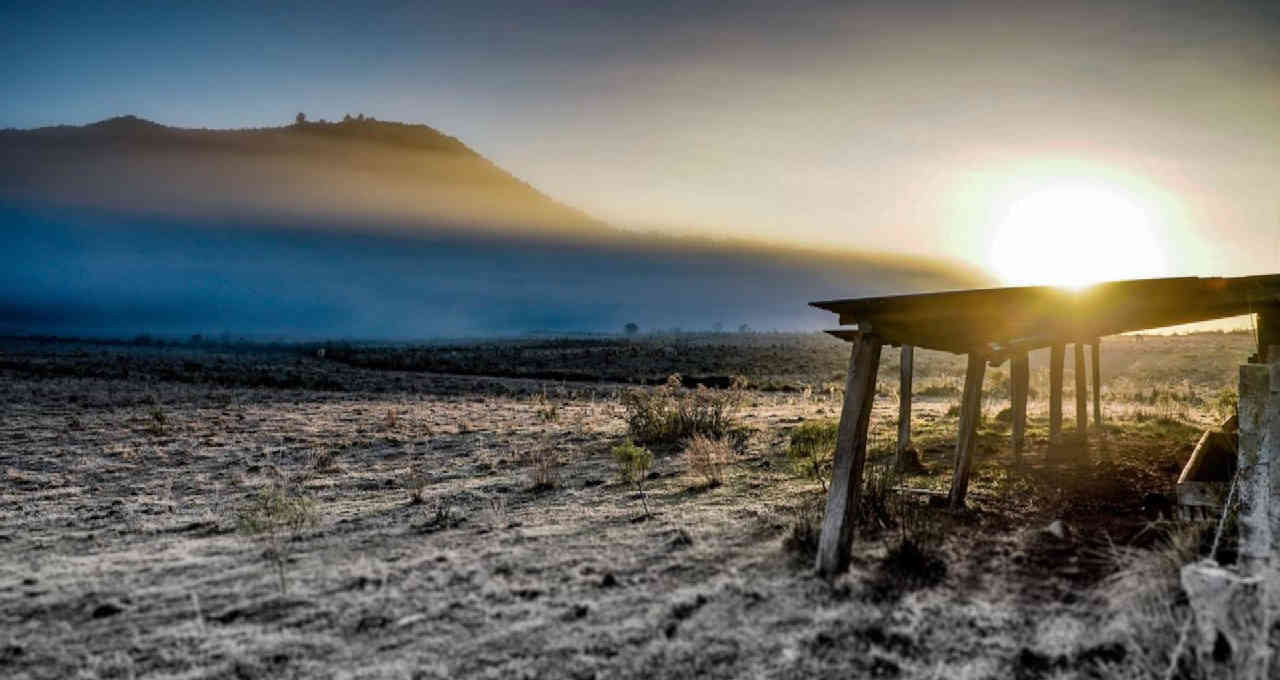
(1075, 233)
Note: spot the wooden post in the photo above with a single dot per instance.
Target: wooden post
(904, 404)
(1057, 356)
(1019, 387)
(850, 455)
(1082, 394)
(967, 438)
(1097, 383)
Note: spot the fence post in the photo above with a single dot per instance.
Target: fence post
(1259, 450)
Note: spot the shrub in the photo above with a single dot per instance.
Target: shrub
(1225, 403)
(158, 420)
(634, 463)
(323, 461)
(812, 445)
(497, 514)
(947, 390)
(671, 413)
(878, 504)
(274, 517)
(544, 462)
(805, 530)
(708, 458)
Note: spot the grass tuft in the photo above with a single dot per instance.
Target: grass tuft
(708, 458)
(670, 413)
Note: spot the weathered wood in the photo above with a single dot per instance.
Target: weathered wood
(1256, 453)
(969, 410)
(1097, 382)
(1019, 387)
(1057, 356)
(850, 456)
(1082, 394)
(905, 369)
(1025, 318)
(1213, 459)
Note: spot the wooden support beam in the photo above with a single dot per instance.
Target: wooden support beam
(1082, 394)
(1097, 382)
(968, 436)
(906, 366)
(1019, 387)
(1057, 356)
(850, 456)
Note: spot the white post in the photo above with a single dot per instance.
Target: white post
(1258, 458)
(1258, 461)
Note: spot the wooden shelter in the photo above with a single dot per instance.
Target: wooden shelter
(997, 324)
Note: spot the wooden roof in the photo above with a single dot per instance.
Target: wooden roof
(996, 321)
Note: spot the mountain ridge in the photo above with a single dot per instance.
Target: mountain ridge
(414, 170)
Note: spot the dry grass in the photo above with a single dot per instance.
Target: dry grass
(708, 458)
(544, 467)
(1145, 602)
(109, 527)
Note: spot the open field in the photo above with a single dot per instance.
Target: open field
(438, 525)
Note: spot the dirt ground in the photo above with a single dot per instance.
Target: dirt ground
(128, 470)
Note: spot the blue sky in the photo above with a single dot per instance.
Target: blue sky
(902, 127)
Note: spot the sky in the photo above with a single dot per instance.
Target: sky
(1134, 139)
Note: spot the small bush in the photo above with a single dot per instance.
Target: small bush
(812, 446)
(708, 458)
(939, 391)
(158, 421)
(671, 413)
(544, 467)
(805, 530)
(497, 513)
(275, 517)
(1225, 403)
(323, 461)
(634, 463)
(878, 504)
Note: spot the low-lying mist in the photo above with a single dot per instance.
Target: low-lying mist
(362, 229)
(77, 272)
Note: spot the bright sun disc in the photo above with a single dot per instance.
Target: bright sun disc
(1072, 235)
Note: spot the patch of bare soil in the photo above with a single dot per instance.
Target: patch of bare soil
(432, 553)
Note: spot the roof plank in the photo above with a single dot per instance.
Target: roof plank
(993, 320)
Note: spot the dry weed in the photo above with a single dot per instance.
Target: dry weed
(544, 467)
(708, 458)
(1145, 600)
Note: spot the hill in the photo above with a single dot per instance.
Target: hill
(356, 168)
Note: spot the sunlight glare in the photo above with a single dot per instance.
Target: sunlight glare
(1072, 235)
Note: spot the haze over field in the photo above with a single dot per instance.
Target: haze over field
(362, 229)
